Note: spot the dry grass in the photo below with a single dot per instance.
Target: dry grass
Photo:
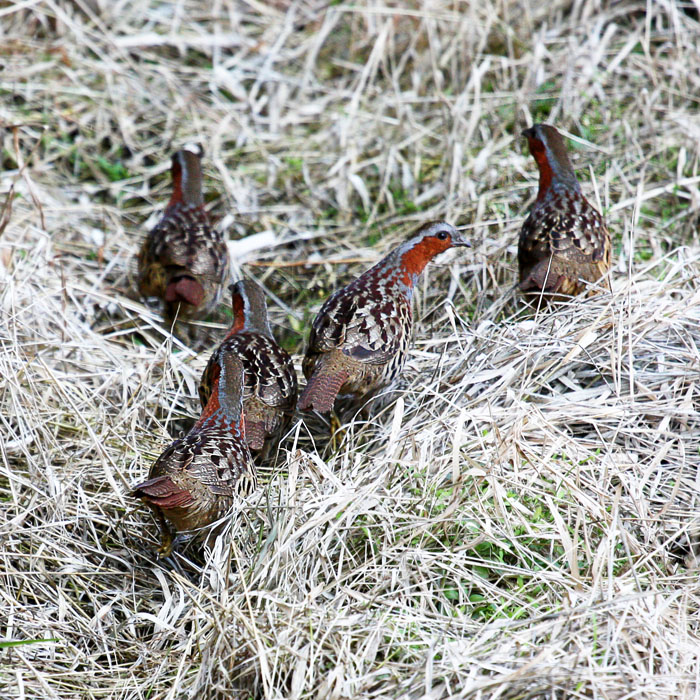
(515, 522)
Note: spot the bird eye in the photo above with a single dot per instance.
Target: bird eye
(442, 235)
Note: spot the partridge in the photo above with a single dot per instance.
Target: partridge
(183, 261)
(198, 477)
(564, 242)
(359, 339)
(269, 379)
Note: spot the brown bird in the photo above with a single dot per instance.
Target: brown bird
(195, 481)
(183, 261)
(270, 382)
(359, 339)
(564, 242)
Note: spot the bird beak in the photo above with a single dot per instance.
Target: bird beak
(460, 241)
(527, 133)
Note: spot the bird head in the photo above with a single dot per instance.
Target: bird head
(186, 171)
(548, 149)
(430, 240)
(249, 308)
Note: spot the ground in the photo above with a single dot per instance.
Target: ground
(517, 519)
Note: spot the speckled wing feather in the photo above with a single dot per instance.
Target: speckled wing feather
(328, 328)
(364, 321)
(212, 456)
(231, 471)
(183, 240)
(268, 370)
(563, 225)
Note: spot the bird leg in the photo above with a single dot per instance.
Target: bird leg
(167, 539)
(337, 435)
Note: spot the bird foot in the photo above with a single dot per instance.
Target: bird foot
(166, 545)
(168, 540)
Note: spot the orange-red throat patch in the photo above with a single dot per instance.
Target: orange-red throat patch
(413, 261)
(238, 307)
(539, 153)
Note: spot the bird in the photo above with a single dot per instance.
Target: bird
(359, 340)
(183, 260)
(564, 242)
(270, 382)
(196, 480)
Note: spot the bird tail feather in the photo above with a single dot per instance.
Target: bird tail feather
(255, 434)
(161, 491)
(321, 390)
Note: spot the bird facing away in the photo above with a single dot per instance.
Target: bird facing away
(563, 242)
(269, 379)
(183, 261)
(359, 339)
(195, 481)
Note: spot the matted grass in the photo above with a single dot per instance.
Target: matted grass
(517, 520)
